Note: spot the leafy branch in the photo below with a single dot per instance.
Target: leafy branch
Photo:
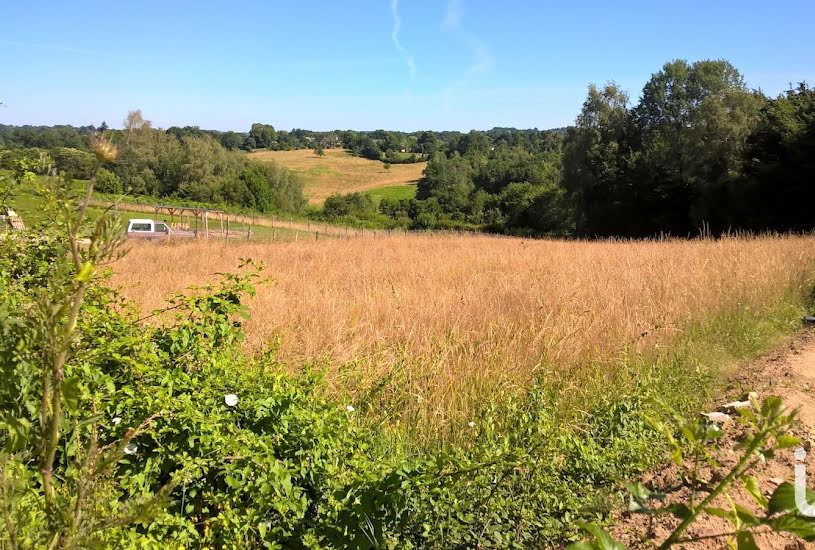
(768, 426)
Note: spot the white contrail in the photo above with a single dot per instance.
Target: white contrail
(452, 19)
(397, 24)
(483, 61)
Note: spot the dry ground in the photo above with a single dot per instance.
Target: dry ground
(451, 319)
(340, 172)
(788, 373)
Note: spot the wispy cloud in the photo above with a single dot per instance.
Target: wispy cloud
(339, 63)
(452, 18)
(58, 48)
(397, 25)
(483, 62)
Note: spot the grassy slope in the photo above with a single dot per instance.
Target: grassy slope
(340, 172)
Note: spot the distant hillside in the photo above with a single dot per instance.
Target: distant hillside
(340, 172)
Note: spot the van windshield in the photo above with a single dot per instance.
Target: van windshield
(140, 227)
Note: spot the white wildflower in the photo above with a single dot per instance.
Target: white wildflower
(231, 399)
(116, 420)
(471, 424)
(350, 408)
(131, 448)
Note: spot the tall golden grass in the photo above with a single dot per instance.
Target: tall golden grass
(452, 320)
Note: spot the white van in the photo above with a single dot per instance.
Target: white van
(147, 229)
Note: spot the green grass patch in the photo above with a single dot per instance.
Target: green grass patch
(395, 192)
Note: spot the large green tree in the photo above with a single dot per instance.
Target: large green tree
(780, 188)
(597, 164)
(672, 163)
(693, 122)
(263, 136)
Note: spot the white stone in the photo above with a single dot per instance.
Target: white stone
(717, 417)
(736, 405)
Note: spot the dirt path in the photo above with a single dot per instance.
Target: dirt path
(789, 373)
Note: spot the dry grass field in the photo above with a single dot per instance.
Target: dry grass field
(448, 320)
(340, 172)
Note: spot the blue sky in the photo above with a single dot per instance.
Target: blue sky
(394, 64)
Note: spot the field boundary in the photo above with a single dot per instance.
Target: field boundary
(316, 229)
(262, 221)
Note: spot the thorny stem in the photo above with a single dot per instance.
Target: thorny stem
(51, 423)
(57, 373)
(88, 465)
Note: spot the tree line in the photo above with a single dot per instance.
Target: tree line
(699, 151)
(163, 164)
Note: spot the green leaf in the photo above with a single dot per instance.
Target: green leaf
(783, 499)
(713, 431)
(679, 510)
(85, 272)
(746, 516)
(604, 540)
(19, 430)
(745, 541)
(638, 491)
(797, 525)
(786, 441)
(91, 420)
(751, 484)
(720, 513)
(70, 393)
(638, 497)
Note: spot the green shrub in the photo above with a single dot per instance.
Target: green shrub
(108, 182)
(77, 164)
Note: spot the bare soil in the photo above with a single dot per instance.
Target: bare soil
(787, 372)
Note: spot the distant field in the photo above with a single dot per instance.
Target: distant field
(341, 172)
(395, 192)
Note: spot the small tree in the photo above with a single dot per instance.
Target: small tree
(387, 166)
(319, 151)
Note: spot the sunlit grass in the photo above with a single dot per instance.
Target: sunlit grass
(440, 325)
